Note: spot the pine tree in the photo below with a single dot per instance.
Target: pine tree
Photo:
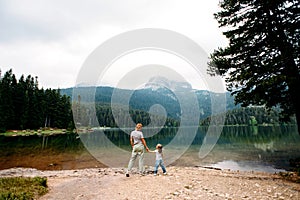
(7, 115)
(262, 60)
(24, 106)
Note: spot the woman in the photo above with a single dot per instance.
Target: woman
(138, 144)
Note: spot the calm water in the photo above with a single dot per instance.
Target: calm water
(238, 148)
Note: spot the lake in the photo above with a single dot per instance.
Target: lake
(257, 148)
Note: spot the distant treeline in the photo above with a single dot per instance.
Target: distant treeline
(24, 106)
(249, 116)
(105, 117)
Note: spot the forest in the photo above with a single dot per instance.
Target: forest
(106, 118)
(23, 105)
(254, 115)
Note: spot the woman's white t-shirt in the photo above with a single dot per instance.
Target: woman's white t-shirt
(137, 137)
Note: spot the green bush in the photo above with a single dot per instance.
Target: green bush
(22, 188)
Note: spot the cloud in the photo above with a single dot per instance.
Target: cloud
(53, 20)
(51, 39)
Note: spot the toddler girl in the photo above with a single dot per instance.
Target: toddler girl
(159, 159)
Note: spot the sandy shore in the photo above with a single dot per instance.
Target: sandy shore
(179, 183)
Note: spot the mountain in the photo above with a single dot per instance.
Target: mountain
(162, 92)
(159, 82)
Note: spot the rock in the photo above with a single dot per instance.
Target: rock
(188, 186)
(175, 193)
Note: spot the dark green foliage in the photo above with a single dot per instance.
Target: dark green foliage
(261, 62)
(251, 116)
(7, 86)
(24, 106)
(106, 118)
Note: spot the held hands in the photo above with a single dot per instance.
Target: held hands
(149, 151)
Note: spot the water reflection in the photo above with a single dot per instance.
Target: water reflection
(247, 147)
(266, 146)
(245, 166)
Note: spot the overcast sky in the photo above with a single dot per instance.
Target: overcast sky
(51, 39)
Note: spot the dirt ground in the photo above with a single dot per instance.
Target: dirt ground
(179, 183)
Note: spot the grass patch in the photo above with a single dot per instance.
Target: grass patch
(22, 188)
(28, 132)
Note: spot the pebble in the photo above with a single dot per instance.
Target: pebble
(203, 185)
(175, 193)
(188, 186)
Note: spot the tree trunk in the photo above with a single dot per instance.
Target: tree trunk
(291, 72)
(294, 90)
(298, 120)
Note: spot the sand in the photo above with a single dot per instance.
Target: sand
(179, 183)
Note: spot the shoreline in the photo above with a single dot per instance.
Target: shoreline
(82, 159)
(179, 183)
